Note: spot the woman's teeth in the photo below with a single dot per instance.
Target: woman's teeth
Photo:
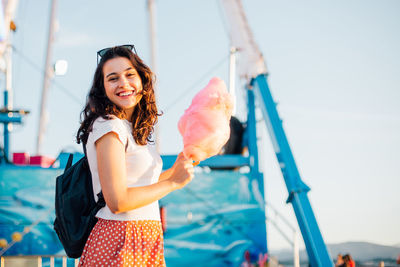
(125, 93)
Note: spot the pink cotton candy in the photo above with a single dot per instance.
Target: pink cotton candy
(205, 124)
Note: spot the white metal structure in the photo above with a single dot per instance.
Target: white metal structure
(251, 62)
(46, 79)
(151, 9)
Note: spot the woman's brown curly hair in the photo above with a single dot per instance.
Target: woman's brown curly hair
(145, 114)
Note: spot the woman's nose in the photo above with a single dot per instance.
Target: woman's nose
(123, 82)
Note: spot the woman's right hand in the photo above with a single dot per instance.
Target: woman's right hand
(182, 171)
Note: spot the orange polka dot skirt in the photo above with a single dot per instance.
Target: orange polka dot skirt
(124, 243)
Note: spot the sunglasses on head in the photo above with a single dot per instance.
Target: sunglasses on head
(103, 51)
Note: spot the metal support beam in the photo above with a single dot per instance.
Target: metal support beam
(6, 132)
(316, 249)
(48, 73)
(223, 161)
(252, 132)
(10, 118)
(253, 153)
(7, 118)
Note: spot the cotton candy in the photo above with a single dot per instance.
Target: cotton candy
(204, 126)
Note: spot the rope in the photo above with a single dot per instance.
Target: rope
(224, 23)
(39, 69)
(195, 84)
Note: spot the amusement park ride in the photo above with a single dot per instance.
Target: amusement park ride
(224, 244)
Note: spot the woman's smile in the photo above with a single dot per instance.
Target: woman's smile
(125, 93)
(122, 84)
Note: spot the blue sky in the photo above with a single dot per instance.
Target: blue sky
(334, 69)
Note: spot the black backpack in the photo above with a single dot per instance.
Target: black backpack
(75, 206)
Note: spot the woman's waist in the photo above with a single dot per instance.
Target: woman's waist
(148, 212)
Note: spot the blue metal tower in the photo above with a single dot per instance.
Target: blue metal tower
(258, 91)
(316, 249)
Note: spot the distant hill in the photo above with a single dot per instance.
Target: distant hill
(360, 251)
(364, 250)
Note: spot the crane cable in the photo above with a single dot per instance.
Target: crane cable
(195, 84)
(39, 69)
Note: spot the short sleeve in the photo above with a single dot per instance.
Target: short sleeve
(103, 126)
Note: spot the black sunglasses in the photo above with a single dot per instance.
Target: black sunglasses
(103, 51)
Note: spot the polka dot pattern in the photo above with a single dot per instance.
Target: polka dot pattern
(124, 243)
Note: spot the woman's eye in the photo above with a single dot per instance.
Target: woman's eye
(113, 79)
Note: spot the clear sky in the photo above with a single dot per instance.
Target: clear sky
(334, 69)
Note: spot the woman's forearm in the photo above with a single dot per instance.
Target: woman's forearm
(165, 175)
(112, 174)
(137, 197)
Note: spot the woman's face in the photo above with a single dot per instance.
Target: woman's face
(122, 84)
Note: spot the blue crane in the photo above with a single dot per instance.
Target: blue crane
(253, 68)
(258, 89)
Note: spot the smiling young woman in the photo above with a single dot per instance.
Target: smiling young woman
(122, 84)
(117, 125)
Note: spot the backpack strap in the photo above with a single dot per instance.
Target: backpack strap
(101, 202)
(69, 162)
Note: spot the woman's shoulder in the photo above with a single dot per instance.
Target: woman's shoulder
(111, 123)
(109, 120)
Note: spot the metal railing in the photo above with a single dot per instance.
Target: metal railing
(35, 260)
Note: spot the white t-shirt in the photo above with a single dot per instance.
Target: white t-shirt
(143, 167)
